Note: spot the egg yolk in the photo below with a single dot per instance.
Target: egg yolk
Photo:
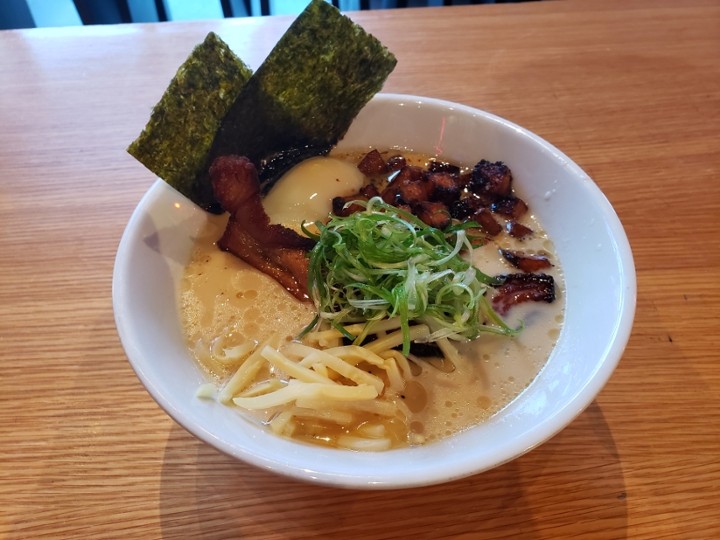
(306, 191)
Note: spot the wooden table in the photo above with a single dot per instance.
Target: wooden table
(630, 89)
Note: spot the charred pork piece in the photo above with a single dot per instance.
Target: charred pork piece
(525, 262)
(442, 166)
(494, 178)
(366, 193)
(414, 192)
(510, 207)
(339, 208)
(517, 288)
(446, 188)
(408, 186)
(517, 230)
(373, 164)
(464, 179)
(273, 249)
(395, 163)
(435, 214)
(465, 207)
(405, 208)
(487, 222)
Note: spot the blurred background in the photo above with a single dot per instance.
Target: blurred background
(44, 13)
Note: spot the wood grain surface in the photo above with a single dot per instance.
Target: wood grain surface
(629, 89)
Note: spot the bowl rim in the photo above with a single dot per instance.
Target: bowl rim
(513, 449)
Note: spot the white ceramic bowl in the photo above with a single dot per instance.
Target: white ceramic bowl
(600, 295)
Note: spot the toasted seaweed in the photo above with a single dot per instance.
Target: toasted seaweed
(298, 104)
(176, 140)
(273, 166)
(304, 96)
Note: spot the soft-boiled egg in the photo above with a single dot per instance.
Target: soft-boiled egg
(306, 191)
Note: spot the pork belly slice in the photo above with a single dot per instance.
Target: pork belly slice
(518, 288)
(487, 222)
(275, 250)
(527, 262)
(518, 230)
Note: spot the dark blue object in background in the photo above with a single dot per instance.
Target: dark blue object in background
(15, 14)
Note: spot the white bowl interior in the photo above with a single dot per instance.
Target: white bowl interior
(590, 243)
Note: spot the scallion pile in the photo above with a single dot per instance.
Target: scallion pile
(383, 262)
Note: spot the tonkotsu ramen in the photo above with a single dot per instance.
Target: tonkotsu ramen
(348, 383)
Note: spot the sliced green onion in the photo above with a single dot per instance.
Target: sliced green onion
(383, 262)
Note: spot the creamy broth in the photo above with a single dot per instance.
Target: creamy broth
(226, 303)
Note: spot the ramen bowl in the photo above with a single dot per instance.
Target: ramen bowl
(590, 243)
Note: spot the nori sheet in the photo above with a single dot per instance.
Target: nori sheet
(176, 140)
(299, 103)
(302, 99)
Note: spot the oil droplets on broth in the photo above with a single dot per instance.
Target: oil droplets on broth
(223, 297)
